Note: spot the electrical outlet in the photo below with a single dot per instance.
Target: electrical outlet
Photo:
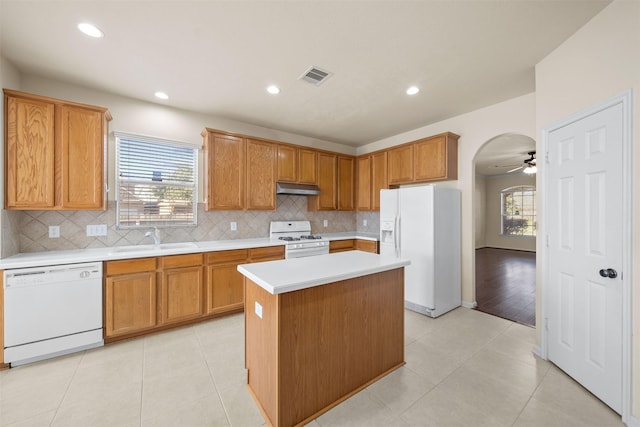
(364, 222)
(234, 226)
(325, 223)
(258, 310)
(97, 230)
(54, 231)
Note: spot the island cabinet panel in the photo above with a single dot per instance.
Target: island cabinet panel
(130, 297)
(224, 284)
(261, 175)
(312, 349)
(55, 153)
(181, 287)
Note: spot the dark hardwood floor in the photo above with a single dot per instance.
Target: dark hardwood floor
(506, 284)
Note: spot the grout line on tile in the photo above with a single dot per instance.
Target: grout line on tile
(66, 391)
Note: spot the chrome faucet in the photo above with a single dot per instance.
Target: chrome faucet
(154, 235)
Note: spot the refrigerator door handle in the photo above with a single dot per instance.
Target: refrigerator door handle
(396, 237)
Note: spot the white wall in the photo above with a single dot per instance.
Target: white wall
(493, 226)
(479, 210)
(156, 120)
(599, 61)
(475, 128)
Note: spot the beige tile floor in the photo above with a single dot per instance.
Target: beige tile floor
(465, 368)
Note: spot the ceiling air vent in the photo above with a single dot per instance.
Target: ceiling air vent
(315, 76)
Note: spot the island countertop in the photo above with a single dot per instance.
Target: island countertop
(277, 277)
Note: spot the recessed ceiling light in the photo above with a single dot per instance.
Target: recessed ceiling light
(413, 90)
(90, 30)
(161, 95)
(273, 90)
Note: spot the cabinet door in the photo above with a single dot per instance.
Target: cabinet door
(182, 294)
(82, 137)
(327, 176)
(287, 163)
(430, 159)
(307, 166)
(30, 144)
(261, 175)
(367, 246)
(378, 178)
(130, 304)
(342, 245)
(400, 164)
(346, 183)
(225, 288)
(363, 186)
(226, 174)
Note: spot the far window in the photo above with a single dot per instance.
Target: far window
(519, 211)
(156, 182)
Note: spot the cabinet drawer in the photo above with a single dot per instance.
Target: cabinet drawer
(341, 245)
(222, 257)
(135, 265)
(269, 252)
(186, 260)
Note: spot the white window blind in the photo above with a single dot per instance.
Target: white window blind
(156, 182)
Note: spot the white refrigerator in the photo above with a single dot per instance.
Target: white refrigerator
(422, 224)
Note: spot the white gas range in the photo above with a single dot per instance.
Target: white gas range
(299, 240)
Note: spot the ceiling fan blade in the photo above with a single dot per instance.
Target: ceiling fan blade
(515, 169)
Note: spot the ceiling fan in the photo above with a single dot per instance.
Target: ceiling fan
(530, 163)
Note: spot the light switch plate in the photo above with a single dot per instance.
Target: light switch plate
(97, 230)
(234, 226)
(258, 310)
(325, 222)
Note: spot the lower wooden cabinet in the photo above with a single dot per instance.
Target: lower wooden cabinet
(367, 245)
(130, 296)
(224, 284)
(181, 290)
(353, 244)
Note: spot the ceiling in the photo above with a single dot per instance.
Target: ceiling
(217, 57)
(504, 154)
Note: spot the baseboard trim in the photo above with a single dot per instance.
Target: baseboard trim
(467, 304)
(507, 249)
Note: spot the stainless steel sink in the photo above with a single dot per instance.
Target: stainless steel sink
(152, 248)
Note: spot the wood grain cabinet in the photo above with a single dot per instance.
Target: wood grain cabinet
(327, 179)
(345, 184)
(296, 164)
(224, 284)
(130, 297)
(367, 245)
(240, 172)
(429, 159)
(342, 245)
(371, 177)
(54, 153)
(181, 288)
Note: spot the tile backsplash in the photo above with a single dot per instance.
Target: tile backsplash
(29, 230)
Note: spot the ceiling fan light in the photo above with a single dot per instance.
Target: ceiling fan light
(530, 169)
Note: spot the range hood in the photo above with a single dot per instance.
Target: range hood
(298, 189)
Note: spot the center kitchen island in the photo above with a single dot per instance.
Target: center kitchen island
(319, 329)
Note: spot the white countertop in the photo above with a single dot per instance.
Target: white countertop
(277, 277)
(40, 259)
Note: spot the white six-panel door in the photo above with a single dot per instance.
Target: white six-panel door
(585, 251)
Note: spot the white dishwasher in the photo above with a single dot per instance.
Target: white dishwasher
(50, 311)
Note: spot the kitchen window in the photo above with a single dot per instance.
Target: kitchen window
(519, 211)
(156, 182)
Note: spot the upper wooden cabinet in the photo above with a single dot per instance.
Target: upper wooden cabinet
(327, 179)
(345, 184)
(224, 171)
(54, 153)
(371, 172)
(296, 164)
(240, 172)
(429, 159)
(261, 175)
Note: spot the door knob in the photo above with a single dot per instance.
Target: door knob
(609, 272)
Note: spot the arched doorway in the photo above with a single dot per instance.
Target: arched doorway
(505, 224)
